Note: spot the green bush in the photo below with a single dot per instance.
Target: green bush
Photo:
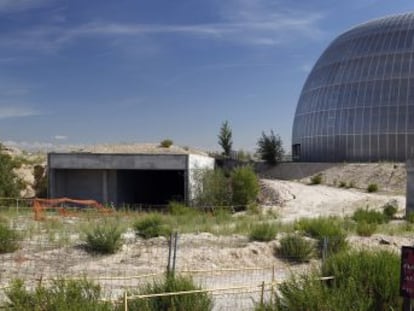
(166, 143)
(171, 284)
(342, 184)
(369, 216)
(151, 226)
(10, 184)
(363, 280)
(214, 189)
(320, 228)
(104, 238)
(351, 184)
(263, 232)
(295, 248)
(374, 274)
(410, 217)
(366, 229)
(8, 239)
(316, 179)
(244, 185)
(180, 209)
(62, 295)
(372, 188)
(390, 209)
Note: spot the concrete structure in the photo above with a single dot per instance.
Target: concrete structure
(409, 205)
(128, 178)
(358, 101)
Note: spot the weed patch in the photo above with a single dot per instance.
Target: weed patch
(151, 226)
(295, 248)
(263, 232)
(171, 284)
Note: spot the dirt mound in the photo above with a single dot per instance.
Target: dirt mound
(274, 193)
(299, 200)
(390, 177)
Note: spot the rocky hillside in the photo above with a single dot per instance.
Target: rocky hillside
(389, 177)
(27, 166)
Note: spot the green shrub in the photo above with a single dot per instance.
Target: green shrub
(410, 217)
(390, 209)
(320, 228)
(166, 143)
(104, 238)
(363, 280)
(296, 248)
(372, 188)
(180, 209)
(8, 239)
(342, 184)
(366, 229)
(374, 274)
(244, 185)
(10, 184)
(214, 189)
(171, 284)
(62, 295)
(351, 184)
(151, 226)
(316, 179)
(263, 232)
(369, 216)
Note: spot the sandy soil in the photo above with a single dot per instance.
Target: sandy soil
(300, 200)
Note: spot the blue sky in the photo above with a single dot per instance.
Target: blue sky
(108, 71)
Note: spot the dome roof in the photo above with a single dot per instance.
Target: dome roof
(357, 103)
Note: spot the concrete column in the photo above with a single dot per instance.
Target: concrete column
(105, 186)
(409, 207)
(51, 187)
(186, 187)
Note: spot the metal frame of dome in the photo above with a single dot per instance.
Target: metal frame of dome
(357, 103)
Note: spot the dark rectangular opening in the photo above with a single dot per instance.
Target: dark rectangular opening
(296, 152)
(152, 187)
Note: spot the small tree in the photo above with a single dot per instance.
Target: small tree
(245, 185)
(225, 138)
(270, 148)
(10, 185)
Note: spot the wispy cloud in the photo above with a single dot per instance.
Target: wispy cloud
(306, 68)
(16, 111)
(9, 6)
(253, 23)
(60, 137)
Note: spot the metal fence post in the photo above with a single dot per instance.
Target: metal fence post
(325, 249)
(262, 294)
(169, 253)
(175, 252)
(125, 301)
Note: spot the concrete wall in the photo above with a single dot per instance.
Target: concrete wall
(409, 208)
(196, 164)
(292, 170)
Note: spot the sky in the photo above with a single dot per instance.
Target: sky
(126, 71)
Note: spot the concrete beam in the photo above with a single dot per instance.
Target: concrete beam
(117, 161)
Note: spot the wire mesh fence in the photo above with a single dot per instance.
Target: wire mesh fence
(55, 249)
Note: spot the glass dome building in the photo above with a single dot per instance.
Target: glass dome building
(357, 103)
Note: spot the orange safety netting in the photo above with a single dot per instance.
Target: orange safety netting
(39, 205)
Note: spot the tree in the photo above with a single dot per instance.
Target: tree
(270, 148)
(225, 138)
(10, 185)
(245, 186)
